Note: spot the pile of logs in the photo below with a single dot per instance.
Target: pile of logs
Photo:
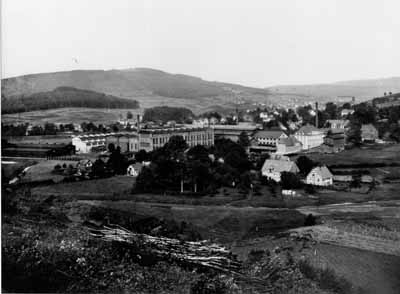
(198, 254)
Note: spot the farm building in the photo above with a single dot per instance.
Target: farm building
(273, 168)
(369, 133)
(335, 139)
(320, 176)
(133, 170)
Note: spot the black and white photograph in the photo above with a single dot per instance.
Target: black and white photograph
(200, 146)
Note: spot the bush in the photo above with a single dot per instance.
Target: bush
(326, 278)
(208, 285)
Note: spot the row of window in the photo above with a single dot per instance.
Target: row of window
(187, 138)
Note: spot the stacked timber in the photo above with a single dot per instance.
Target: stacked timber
(201, 254)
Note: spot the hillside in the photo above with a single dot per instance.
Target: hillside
(361, 89)
(154, 88)
(63, 97)
(123, 83)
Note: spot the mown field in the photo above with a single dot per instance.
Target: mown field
(69, 115)
(387, 154)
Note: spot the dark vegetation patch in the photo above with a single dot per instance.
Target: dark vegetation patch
(63, 97)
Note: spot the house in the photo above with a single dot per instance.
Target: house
(338, 123)
(133, 170)
(269, 137)
(335, 139)
(310, 136)
(233, 132)
(273, 168)
(369, 133)
(288, 145)
(90, 142)
(346, 112)
(320, 176)
(127, 142)
(153, 138)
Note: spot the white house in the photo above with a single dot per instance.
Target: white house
(273, 168)
(90, 142)
(338, 123)
(346, 112)
(320, 176)
(269, 137)
(310, 136)
(289, 145)
(133, 170)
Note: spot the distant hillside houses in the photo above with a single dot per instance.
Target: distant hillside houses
(389, 100)
(310, 136)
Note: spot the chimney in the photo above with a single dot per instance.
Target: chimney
(138, 122)
(316, 114)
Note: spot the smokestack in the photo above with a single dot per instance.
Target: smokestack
(138, 122)
(316, 114)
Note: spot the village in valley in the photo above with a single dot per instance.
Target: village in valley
(200, 147)
(323, 174)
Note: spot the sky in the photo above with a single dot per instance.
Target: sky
(255, 43)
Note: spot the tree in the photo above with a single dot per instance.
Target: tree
(261, 160)
(175, 145)
(244, 139)
(331, 110)
(129, 115)
(145, 181)
(198, 152)
(290, 181)
(99, 168)
(111, 147)
(305, 164)
(141, 156)
(353, 134)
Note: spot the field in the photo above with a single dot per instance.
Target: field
(68, 115)
(387, 154)
(223, 224)
(90, 189)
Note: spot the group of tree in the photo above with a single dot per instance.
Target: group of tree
(164, 114)
(63, 97)
(198, 169)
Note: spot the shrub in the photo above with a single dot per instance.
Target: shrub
(326, 278)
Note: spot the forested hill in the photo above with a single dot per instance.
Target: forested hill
(63, 97)
(123, 83)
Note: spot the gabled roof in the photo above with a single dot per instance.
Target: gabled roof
(289, 141)
(280, 166)
(323, 171)
(368, 127)
(308, 130)
(274, 134)
(338, 121)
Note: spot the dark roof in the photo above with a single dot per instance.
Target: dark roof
(308, 129)
(274, 134)
(289, 141)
